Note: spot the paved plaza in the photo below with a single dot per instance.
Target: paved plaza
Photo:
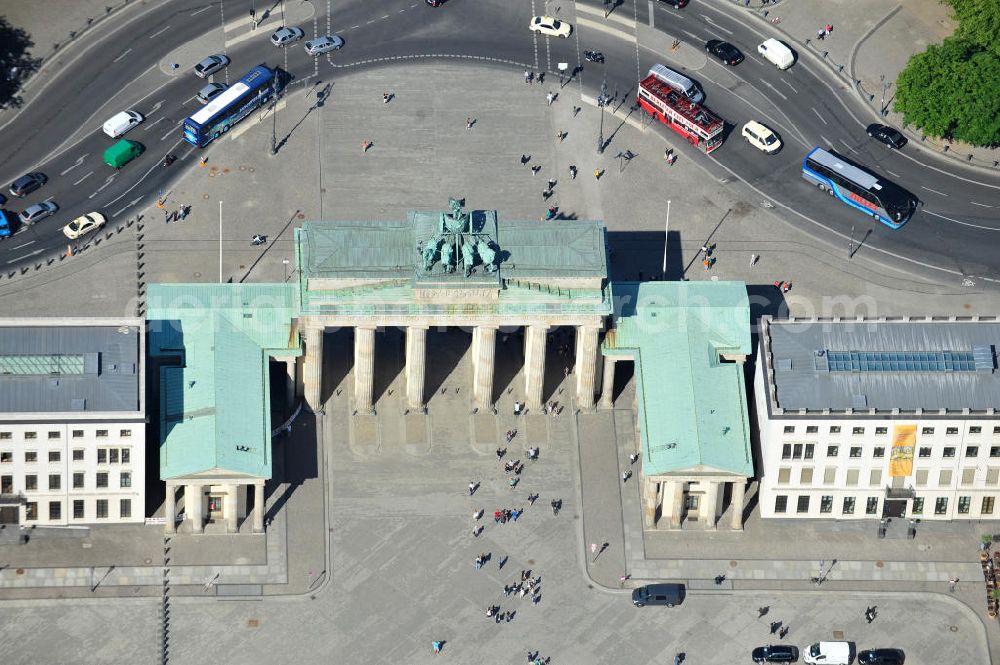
(399, 571)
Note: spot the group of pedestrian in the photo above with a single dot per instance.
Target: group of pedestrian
(784, 287)
(514, 466)
(824, 32)
(530, 76)
(507, 515)
(553, 408)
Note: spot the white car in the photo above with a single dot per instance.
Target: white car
(286, 35)
(761, 137)
(83, 225)
(550, 26)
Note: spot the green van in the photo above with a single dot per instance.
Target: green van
(122, 153)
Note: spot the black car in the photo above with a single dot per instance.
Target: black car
(724, 51)
(435, 3)
(887, 135)
(881, 657)
(677, 4)
(775, 653)
(658, 594)
(27, 184)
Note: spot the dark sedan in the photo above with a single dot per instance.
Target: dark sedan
(724, 51)
(775, 653)
(881, 657)
(887, 135)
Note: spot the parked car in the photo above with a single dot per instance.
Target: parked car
(27, 183)
(881, 657)
(286, 35)
(210, 65)
(761, 137)
(775, 653)
(323, 44)
(83, 225)
(724, 51)
(37, 212)
(887, 135)
(828, 653)
(210, 92)
(550, 26)
(658, 594)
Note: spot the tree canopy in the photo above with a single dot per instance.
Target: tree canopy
(952, 90)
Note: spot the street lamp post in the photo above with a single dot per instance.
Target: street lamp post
(274, 126)
(666, 234)
(601, 101)
(285, 263)
(850, 245)
(885, 87)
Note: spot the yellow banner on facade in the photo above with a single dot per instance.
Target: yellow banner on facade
(904, 439)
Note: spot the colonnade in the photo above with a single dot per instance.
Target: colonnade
(666, 495)
(196, 499)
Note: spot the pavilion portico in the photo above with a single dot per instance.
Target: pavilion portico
(464, 269)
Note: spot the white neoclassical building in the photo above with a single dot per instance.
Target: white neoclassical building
(72, 421)
(874, 419)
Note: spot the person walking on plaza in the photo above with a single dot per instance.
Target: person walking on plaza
(528, 76)
(437, 644)
(472, 487)
(572, 171)
(549, 98)
(597, 174)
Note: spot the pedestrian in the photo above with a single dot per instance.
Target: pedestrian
(540, 78)
(517, 513)
(775, 625)
(478, 514)
(528, 76)
(633, 458)
(479, 562)
(952, 581)
(532, 498)
(518, 406)
(477, 530)
(500, 450)
(677, 659)
(828, 28)
(753, 260)
(576, 109)
(546, 193)
(472, 487)
(783, 632)
(572, 171)
(746, 3)
(437, 646)
(551, 183)
(514, 481)
(385, 97)
(821, 33)
(786, 287)
(549, 98)
(626, 475)
(535, 169)
(524, 159)
(496, 516)
(597, 174)
(707, 263)
(365, 145)
(561, 135)
(468, 122)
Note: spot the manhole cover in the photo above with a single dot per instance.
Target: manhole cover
(204, 196)
(838, 635)
(225, 170)
(148, 561)
(879, 564)
(19, 571)
(733, 564)
(197, 274)
(953, 629)
(243, 168)
(301, 216)
(250, 169)
(531, 562)
(253, 623)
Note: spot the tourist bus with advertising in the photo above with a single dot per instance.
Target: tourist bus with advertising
(237, 102)
(695, 122)
(859, 188)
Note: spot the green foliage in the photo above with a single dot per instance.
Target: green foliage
(952, 90)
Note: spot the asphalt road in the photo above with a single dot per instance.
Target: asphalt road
(59, 134)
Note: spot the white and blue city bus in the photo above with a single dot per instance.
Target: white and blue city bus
(237, 102)
(857, 187)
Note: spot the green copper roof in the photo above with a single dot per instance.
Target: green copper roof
(215, 407)
(692, 404)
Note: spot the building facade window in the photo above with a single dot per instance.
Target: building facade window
(830, 475)
(987, 507)
(31, 482)
(831, 451)
(918, 506)
(780, 503)
(102, 479)
(875, 477)
(949, 451)
(809, 451)
(994, 451)
(78, 509)
(31, 510)
(848, 508)
(972, 451)
(927, 431)
(113, 456)
(951, 431)
(879, 431)
(852, 477)
(812, 429)
(126, 455)
(871, 506)
(806, 475)
(784, 475)
(31, 436)
(996, 429)
(789, 429)
(55, 481)
(855, 451)
(78, 434)
(826, 504)
(975, 429)
(125, 508)
(102, 509)
(797, 451)
(125, 479)
(5, 436)
(55, 510)
(925, 451)
(102, 455)
(30, 456)
(834, 429)
(968, 476)
(78, 454)
(55, 455)
(858, 431)
(964, 503)
(921, 477)
(7, 457)
(941, 505)
(878, 452)
(944, 478)
(55, 435)
(802, 504)
(78, 480)
(125, 433)
(102, 434)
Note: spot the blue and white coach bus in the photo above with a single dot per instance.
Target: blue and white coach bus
(237, 102)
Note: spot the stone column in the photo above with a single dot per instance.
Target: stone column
(484, 351)
(313, 370)
(650, 492)
(739, 493)
(229, 507)
(675, 495)
(258, 506)
(194, 507)
(710, 504)
(364, 369)
(416, 364)
(608, 383)
(170, 509)
(534, 365)
(586, 365)
(290, 383)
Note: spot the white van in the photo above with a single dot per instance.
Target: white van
(678, 82)
(761, 137)
(777, 53)
(121, 123)
(828, 653)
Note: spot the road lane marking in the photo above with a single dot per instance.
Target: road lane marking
(826, 140)
(79, 160)
(204, 9)
(83, 178)
(601, 27)
(30, 242)
(122, 55)
(983, 205)
(167, 135)
(933, 190)
(137, 182)
(716, 25)
(155, 122)
(37, 251)
(691, 35)
(773, 89)
(819, 116)
(849, 147)
(127, 206)
(894, 175)
(159, 32)
(961, 223)
(790, 86)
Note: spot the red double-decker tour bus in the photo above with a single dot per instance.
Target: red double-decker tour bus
(694, 122)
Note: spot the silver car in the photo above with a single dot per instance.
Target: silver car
(37, 212)
(210, 65)
(210, 92)
(323, 44)
(286, 35)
